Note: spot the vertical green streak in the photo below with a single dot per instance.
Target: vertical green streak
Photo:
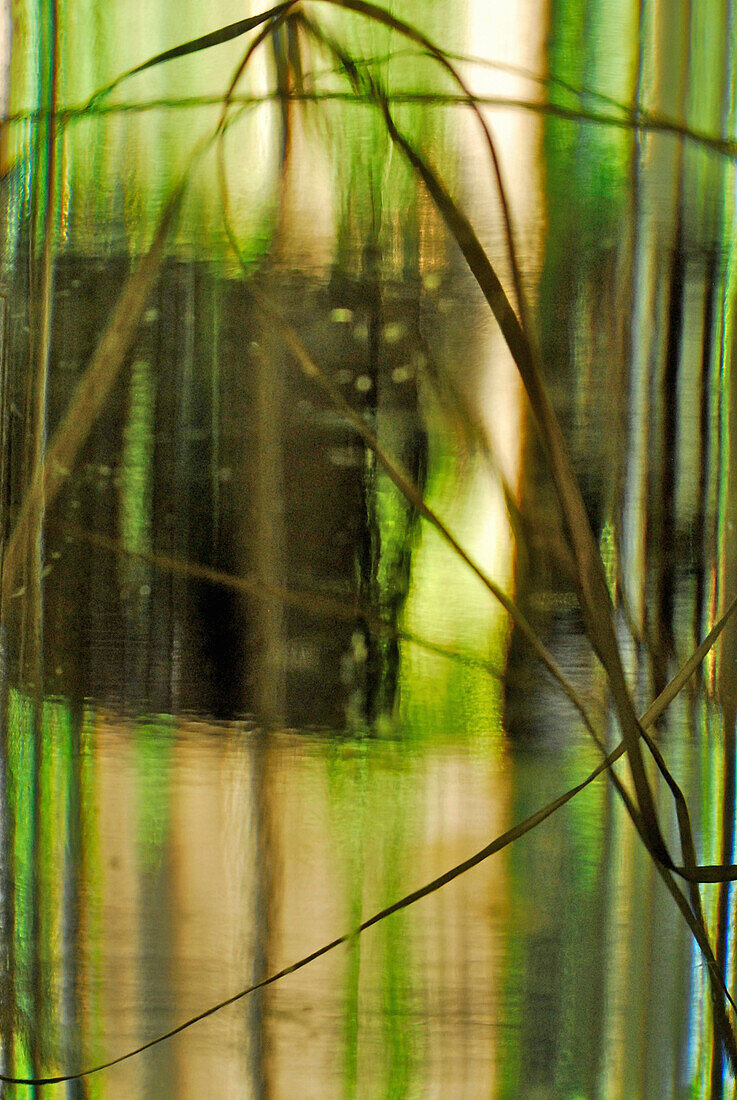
(592, 45)
(136, 466)
(402, 1066)
(52, 845)
(347, 785)
(634, 506)
(710, 79)
(42, 229)
(21, 818)
(47, 103)
(91, 874)
(442, 699)
(154, 759)
(726, 366)
(708, 771)
(379, 1034)
(351, 1029)
(396, 970)
(39, 773)
(717, 768)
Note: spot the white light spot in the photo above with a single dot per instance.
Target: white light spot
(363, 383)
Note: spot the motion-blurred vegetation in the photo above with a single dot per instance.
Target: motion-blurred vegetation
(330, 58)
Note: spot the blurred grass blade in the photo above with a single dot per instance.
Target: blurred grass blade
(196, 45)
(265, 33)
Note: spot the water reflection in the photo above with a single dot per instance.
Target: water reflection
(251, 695)
(174, 861)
